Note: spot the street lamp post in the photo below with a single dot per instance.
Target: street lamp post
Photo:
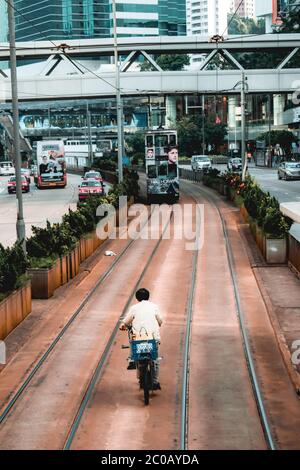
(118, 97)
(21, 233)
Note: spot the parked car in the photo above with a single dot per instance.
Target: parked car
(7, 169)
(94, 175)
(26, 172)
(201, 163)
(289, 171)
(235, 165)
(90, 187)
(11, 185)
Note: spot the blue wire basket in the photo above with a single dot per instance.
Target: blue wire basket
(144, 348)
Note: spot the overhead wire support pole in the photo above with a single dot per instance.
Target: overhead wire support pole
(243, 125)
(203, 124)
(118, 97)
(21, 232)
(90, 145)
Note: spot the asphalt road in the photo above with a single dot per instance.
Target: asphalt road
(284, 191)
(39, 206)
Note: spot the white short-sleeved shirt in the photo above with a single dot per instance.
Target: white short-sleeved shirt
(145, 318)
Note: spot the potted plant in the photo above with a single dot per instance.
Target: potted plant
(276, 228)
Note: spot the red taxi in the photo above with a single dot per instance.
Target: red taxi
(90, 187)
(94, 175)
(11, 185)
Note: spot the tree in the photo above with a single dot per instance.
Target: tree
(283, 138)
(239, 25)
(290, 22)
(136, 143)
(190, 134)
(135, 146)
(168, 62)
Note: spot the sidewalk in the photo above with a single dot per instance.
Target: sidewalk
(280, 289)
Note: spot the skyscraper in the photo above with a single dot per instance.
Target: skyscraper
(75, 19)
(61, 19)
(245, 10)
(207, 17)
(3, 21)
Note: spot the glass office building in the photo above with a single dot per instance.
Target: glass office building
(3, 22)
(172, 17)
(79, 19)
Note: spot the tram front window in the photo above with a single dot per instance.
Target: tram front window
(152, 173)
(163, 169)
(173, 142)
(149, 141)
(161, 141)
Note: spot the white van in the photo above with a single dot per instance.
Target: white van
(7, 169)
(201, 163)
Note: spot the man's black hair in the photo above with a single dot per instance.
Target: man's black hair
(142, 294)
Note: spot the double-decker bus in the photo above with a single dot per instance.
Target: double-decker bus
(161, 161)
(51, 164)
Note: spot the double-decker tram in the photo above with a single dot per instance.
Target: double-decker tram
(162, 174)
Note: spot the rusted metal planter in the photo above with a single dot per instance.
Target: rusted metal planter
(276, 250)
(294, 255)
(260, 238)
(244, 213)
(14, 309)
(44, 281)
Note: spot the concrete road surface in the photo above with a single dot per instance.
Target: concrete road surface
(39, 205)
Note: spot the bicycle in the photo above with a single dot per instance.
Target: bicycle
(143, 352)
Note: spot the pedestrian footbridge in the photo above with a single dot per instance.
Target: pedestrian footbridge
(84, 68)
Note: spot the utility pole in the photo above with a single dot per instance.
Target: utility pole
(21, 234)
(88, 118)
(118, 97)
(49, 119)
(243, 126)
(203, 125)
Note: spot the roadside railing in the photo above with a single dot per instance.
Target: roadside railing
(196, 176)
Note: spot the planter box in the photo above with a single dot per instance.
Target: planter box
(244, 213)
(14, 309)
(260, 238)
(294, 253)
(231, 194)
(44, 281)
(276, 250)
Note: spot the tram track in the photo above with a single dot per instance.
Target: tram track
(102, 361)
(9, 406)
(241, 318)
(96, 373)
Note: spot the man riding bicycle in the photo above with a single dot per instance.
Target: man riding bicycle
(145, 320)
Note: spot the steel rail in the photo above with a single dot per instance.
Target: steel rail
(245, 338)
(186, 357)
(46, 354)
(102, 361)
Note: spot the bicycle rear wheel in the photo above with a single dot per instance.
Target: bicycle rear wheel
(147, 385)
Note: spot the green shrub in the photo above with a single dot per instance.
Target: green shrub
(54, 240)
(13, 265)
(275, 224)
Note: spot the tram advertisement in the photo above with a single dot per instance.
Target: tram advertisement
(162, 164)
(51, 164)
